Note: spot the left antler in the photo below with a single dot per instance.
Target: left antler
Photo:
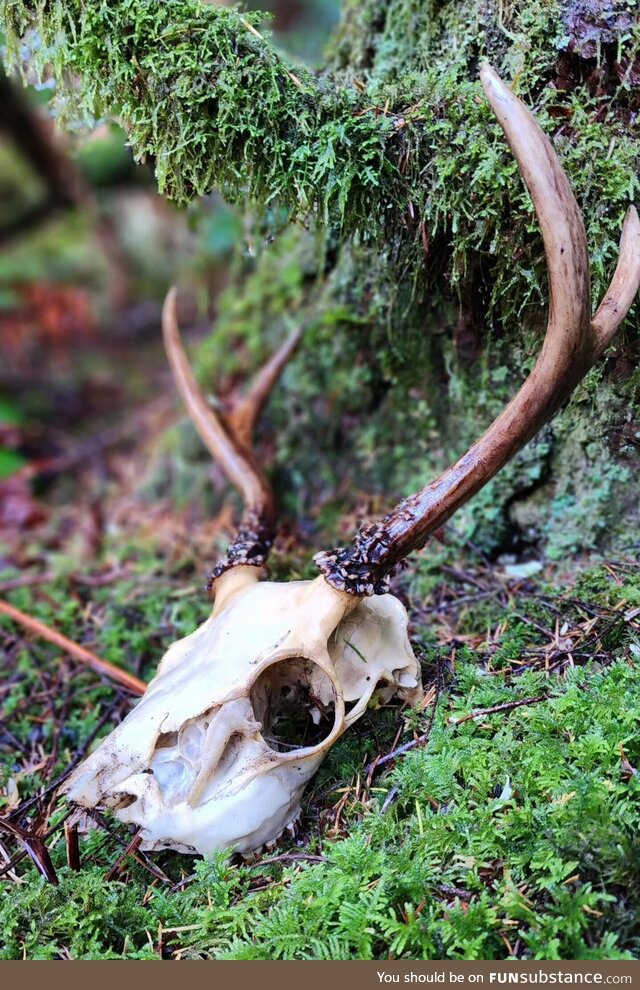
(229, 438)
(573, 343)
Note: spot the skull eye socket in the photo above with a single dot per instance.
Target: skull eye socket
(294, 700)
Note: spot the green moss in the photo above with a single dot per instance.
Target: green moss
(409, 210)
(367, 413)
(213, 103)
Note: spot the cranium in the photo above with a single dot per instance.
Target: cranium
(242, 712)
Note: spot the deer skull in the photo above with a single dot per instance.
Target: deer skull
(202, 762)
(242, 712)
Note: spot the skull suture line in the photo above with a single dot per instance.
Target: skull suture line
(203, 762)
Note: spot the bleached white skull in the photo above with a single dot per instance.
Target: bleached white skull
(241, 713)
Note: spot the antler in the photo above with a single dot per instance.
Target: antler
(229, 438)
(573, 343)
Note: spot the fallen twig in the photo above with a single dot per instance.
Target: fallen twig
(505, 707)
(72, 845)
(129, 681)
(130, 849)
(461, 892)
(25, 581)
(185, 882)
(118, 866)
(35, 847)
(390, 798)
(19, 856)
(286, 858)
(18, 813)
(421, 740)
(93, 446)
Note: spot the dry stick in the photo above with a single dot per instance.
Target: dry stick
(181, 884)
(421, 740)
(131, 848)
(6, 870)
(456, 602)
(72, 845)
(35, 847)
(129, 681)
(390, 798)
(18, 813)
(48, 577)
(506, 707)
(26, 581)
(12, 875)
(110, 436)
(118, 866)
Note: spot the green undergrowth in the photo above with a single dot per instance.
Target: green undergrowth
(514, 833)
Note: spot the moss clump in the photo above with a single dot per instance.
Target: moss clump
(198, 89)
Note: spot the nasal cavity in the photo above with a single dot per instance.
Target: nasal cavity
(294, 700)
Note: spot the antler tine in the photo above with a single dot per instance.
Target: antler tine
(229, 439)
(571, 346)
(623, 288)
(243, 418)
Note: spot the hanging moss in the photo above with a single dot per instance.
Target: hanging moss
(198, 89)
(393, 139)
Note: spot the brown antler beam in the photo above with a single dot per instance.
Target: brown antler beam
(573, 343)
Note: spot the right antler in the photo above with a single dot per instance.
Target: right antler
(573, 343)
(229, 438)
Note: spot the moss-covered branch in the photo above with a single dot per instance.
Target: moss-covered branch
(199, 89)
(393, 136)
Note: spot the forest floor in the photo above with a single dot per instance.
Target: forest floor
(497, 819)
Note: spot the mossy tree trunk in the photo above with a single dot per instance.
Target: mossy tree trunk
(405, 238)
